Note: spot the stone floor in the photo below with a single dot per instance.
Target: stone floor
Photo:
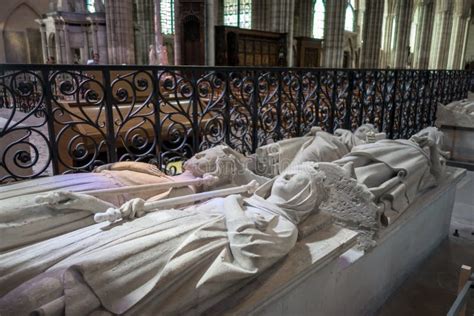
(432, 289)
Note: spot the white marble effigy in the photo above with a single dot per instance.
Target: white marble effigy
(456, 120)
(324, 275)
(334, 202)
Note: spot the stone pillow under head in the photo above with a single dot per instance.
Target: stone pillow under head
(323, 148)
(135, 166)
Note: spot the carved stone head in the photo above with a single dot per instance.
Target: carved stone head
(299, 190)
(220, 161)
(362, 131)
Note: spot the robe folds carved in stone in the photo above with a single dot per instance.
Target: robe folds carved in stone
(23, 220)
(395, 171)
(165, 262)
(317, 146)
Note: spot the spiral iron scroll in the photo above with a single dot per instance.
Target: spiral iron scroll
(25, 150)
(58, 119)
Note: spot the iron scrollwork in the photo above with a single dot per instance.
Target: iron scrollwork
(59, 119)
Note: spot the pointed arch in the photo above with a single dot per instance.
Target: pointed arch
(19, 7)
(21, 35)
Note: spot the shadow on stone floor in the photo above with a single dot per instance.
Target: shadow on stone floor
(432, 289)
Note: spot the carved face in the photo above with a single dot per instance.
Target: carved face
(299, 190)
(362, 131)
(290, 184)
(205, 161)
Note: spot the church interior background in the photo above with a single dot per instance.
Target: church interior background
(87, 86)
(305, 33)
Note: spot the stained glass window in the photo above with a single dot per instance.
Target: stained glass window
(90, 6)
(167, 16)
(349, 21)
(319, 12)
(238, 13)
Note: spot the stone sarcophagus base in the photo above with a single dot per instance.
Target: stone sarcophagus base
(349, 282)
(459, 141)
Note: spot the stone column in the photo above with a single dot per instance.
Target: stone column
(372, 34)
(139, 34)
(282, 21)
(211, 19)
(334, 33)
(44, 42)
(303, 18)
(177, 33)
(144, 36)
(441, 34)
(403, 18)
(86, 52)
(261, 15)
(461, 19)
(157, 24)
(360, 13)
(424, 33)
(119, 20)
(388, 25)
(290, 20)
(67, 45)
(95, 43)
(57, 41)
(463, 55)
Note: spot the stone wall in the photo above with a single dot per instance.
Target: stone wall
(20, 40)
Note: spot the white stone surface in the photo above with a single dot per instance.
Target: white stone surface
(168, 260)
(457, 113)
(353, 284)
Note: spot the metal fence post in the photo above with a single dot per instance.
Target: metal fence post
(226, 110)
(299, 103)
(48, 96)
(254, 113)
(157, 115)
(393, 108)
(195, 117)
(350, 92)
(333, 102)
(109, 117)
(278, 127)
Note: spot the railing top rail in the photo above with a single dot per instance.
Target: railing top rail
(200, 68)
(71, 118)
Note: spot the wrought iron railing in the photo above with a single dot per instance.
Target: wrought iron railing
(77, 117)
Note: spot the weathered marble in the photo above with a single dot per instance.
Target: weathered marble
(457, 113)
(397, 171)
(316, 146)
(354, 283)
(456, 120)
(179, 260)
(23, 220)
(166, 261)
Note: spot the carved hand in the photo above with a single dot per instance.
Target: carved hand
(65, 200)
